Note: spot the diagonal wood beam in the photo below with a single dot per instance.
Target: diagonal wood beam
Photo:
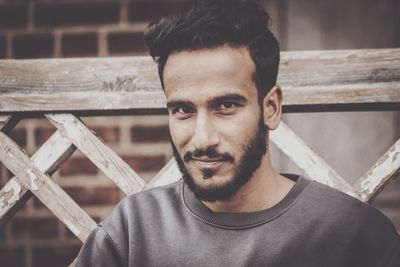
(368, 185)
(101, 155)
(44, 188)
(168, 174)
(47, 158)
(313, 165)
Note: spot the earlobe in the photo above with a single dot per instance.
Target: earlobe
(272, 104)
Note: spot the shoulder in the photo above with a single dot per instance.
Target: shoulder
(338, 202)
(352, 223)
(340, 206)
(136, 208)
(137, 212)
(148, 200)
(342, 213)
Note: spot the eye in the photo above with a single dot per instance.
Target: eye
(183, 110)
(227, 108)
(227, 105)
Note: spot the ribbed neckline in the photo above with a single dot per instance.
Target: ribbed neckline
(246, 219)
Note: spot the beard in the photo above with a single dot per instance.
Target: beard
(249, 162)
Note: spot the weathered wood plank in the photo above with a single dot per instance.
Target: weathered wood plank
(101, 155)
(308, 78)
(313, 165)
(168, 174)
(44, 188)
(47, 158)
(368, 185)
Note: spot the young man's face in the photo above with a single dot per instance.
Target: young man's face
(215, 120)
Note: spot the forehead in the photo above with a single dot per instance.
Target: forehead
(209, 73)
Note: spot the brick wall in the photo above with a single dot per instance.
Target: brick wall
(34, 233)
(56, 29)
(43, 29)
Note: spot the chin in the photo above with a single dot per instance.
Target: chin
(214, 188)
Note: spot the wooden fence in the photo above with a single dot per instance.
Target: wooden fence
(61, 90)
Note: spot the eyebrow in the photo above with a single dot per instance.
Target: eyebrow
(228, 97)
(178, 103)
(218, 99)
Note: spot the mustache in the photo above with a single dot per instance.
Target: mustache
(210, 153)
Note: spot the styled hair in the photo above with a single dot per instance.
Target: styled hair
(213, 23)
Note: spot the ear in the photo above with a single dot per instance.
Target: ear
(272, 104)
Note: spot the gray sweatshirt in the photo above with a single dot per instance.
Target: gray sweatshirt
(313, 225)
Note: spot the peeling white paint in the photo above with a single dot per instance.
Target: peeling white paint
(32, 177)
(14, 188)
(381, 171)
(72, 227)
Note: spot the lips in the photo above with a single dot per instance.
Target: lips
(208, 163)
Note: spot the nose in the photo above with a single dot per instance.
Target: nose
(205, 134)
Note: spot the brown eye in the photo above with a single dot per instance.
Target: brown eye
(183, 110)
(227, 105)
(227, 108)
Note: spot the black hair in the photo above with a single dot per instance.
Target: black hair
(213, 23)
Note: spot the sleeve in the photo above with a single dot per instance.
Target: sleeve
(98, 250)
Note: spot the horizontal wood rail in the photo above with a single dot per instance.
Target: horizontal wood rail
(341, 80)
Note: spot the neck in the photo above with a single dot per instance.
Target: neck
(265, 189)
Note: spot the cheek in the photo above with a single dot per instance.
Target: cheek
(179, 132)
(239, 133)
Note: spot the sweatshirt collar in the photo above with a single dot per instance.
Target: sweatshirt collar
(246, 219)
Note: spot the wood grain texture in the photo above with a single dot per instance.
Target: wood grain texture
(380, 173)
(44, 188)
(47, 159)
(101, 155)
(330, 78)
(306, 159)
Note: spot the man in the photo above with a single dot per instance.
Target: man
(218, 64)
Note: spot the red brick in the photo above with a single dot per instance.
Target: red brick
(12, 256)
(108, 134)
(37, 228)
(79, 45)
(3, 52)
(145, 163)
(33, 45)
(146, 11)
(78, 166)
(42, 134)
(19, 136)
(94, 196)
(125, 42)
(78, 13)
(54, 256)
(13, 15)
(149, 133)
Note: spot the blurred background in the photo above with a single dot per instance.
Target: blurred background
(349, 141)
